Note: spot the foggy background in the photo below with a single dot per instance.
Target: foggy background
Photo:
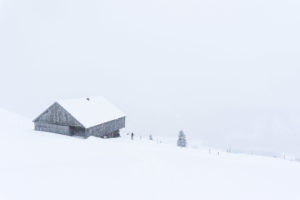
(226, 72)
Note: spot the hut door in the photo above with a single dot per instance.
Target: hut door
(77, 131)
(72, 130)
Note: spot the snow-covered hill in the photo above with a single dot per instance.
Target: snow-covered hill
(38, 165)
(226, 72)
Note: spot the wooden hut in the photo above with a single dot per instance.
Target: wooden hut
(82, 117)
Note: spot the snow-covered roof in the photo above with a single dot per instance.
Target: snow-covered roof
(91, 111)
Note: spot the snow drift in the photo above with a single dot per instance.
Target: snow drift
(39, 165)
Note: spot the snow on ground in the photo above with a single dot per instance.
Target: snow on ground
(39, 165)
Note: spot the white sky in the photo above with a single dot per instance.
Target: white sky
(226, 72)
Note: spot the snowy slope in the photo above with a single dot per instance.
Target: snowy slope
(215, 69)
(38, 165)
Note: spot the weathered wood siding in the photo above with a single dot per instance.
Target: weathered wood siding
(40, 126)
(109, 129)
(57, 120)
(57, 115)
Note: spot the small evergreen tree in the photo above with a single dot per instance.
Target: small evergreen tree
(150, 137)
(181, 142)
